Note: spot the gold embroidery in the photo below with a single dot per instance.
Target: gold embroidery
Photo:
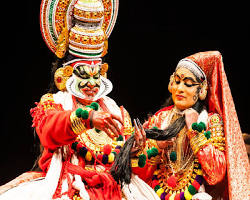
(47, 102)
(217, 132)
(47, 97)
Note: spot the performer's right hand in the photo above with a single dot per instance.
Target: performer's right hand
(105, 122)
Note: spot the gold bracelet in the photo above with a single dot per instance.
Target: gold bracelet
(197, 142)
(199, 146)
(154, 160)
(77, 124)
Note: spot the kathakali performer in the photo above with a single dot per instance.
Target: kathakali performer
(194, 147)
(81, 130)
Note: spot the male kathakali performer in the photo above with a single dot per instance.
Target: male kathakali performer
(194, 147)
(81, 130)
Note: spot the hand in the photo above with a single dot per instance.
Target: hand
(105, 122)
(191, 116)
(140, 138)
(145, 124)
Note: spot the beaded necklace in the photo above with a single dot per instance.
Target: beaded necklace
(95, 145)
(166, 185)
(106, 155)
(179, 174)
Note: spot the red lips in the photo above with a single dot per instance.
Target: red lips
(179, 97)
(90, 91)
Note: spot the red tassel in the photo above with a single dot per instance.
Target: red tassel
(154, 183)
(196, 185)
(172, 181)
(167, 196)
(107, 148)
(99, 157)
(117, 151)
(177, 197)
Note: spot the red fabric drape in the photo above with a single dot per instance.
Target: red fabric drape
(220, 100)
(100, 185)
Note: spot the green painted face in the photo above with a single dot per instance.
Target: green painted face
(87, 80)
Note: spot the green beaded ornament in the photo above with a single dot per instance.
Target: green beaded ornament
(192, 189)
(85, 114)
(194, 126)
(203, 125)
(173, 156)
(149, 152)
(207, 134)
(199, 128)
(79, 112)
(154, 152)
(142, 160)
(95, 106)
(157, 187)
(119, 138)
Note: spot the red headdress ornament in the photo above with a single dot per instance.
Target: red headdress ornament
(220, 100)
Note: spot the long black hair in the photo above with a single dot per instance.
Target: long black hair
(173, 129)
(57, 63)
(121, 169)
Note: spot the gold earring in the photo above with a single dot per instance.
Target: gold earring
(203, 91)
(195, 97)
(61, 76)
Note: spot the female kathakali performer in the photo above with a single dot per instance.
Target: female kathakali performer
(193, 147)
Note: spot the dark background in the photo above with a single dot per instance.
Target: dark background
(149, 38)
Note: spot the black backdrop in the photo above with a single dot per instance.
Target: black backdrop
(149, 38)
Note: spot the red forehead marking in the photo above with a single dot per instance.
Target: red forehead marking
(182, 75)
(86, 62)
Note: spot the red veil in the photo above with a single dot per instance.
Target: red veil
(220, 100)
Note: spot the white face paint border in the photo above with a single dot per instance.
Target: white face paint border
(106, 87)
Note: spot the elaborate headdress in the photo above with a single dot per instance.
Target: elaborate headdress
(81, 28)
(220, 100)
